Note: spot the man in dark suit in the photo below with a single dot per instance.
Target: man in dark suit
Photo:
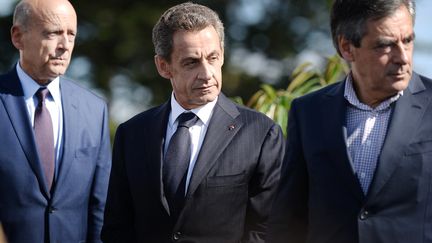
(358, 164)
(55, 154)
(225, 179)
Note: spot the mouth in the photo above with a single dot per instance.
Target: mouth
(205, 87)
(398, 75)
(58, 61)
(61, 57)
(204, 90)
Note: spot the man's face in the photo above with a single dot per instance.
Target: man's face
(382, 65)
(195, 69)
(46, 45)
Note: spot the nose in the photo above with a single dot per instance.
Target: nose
(205, 72)
(64, 42)
(402, 54)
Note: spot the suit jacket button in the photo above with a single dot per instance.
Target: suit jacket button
(176, 236)
(51, 209)
(364, 215)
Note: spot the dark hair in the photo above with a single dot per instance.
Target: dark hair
(186, 16)
(348, 17)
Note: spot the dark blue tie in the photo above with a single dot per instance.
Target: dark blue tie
(43, 130)
(176, 163)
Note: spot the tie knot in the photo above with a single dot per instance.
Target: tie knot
(42, 93)
(187, 119)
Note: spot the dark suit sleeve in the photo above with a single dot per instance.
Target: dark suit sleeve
(263, 185)
(288, 220)
(119, 220)
(100, 183)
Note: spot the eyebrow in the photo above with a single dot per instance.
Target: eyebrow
(215, 52)
(391, 40)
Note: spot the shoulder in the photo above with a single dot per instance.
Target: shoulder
(426, 81)
(156, 113)
(4, 77)
(316, 97)
(8, 75)
(250, 115)
(329, 90)
(251, 120)
(149, 124)
(70, 87)
(9, 83)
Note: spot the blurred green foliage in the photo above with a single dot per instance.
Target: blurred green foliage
(304, 79)
(114, 38)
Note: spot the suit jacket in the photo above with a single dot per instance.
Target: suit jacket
(320, 198)
(230, 191)
(73, 210)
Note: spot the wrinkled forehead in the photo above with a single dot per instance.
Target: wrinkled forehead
(53, 10)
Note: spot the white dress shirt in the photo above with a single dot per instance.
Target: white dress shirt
(197, 131)
(53, 103)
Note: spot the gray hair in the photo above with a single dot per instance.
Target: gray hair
(23, 14)
(186, 16)
(348, 17)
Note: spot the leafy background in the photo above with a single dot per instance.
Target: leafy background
(269, 44)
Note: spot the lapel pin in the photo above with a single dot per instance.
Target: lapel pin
(231, 127)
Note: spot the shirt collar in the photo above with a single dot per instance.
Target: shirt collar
(30, 86)
(203, 112)
(351, 96)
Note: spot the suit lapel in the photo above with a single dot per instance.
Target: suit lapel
(13, 99)
(405, 118)
(222, 128)
(333, 126)
(70, 131)
(154, 149)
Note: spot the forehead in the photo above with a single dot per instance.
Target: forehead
(399, 24)
(60, 15)
(205, 40)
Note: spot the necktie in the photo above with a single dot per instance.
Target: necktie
(43, 130)
(176, 163)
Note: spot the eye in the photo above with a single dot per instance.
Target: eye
(71, 36)
(384, 47)
(190, 63)
(409, 40)
(51, 34)
(213, 58)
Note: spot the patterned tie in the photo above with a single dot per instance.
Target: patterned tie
(43, 129)
(176, 163)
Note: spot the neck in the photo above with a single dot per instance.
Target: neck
(370, 97)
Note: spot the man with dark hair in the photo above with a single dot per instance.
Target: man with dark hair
(358, 163)
(55, 154)
(198, 168)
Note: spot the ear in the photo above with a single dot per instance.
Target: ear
(163, 67)
(346, 49)
(223, 55)
(17, 36)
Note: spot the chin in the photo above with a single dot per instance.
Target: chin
(210, 97)
(203, 100)
(400, 85)
(57, 72)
